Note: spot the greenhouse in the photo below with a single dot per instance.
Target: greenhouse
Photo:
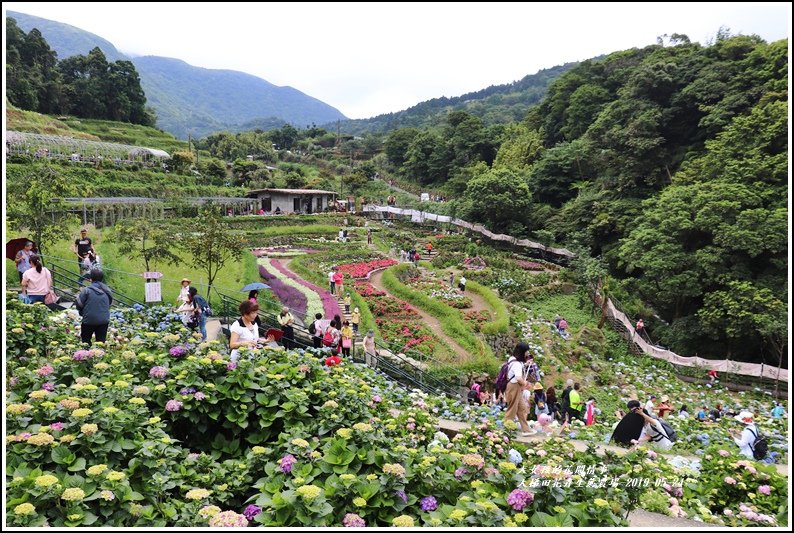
(81, 151)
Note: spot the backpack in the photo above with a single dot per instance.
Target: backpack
(312, 328)
(328, 338)
(473, 396)
(760, 447)
(501, 378)
(671, 434)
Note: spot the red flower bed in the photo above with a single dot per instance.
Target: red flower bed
(360, 270)
(393, 307)
(529, 265)
(367, 290)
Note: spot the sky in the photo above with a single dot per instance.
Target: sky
(373, 58)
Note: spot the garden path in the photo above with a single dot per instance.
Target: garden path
(431, 322)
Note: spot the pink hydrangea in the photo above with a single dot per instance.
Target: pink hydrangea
(724, 453)
(56, 426)
(158, 372)
(520, 498)
(765, 490)
(46, 370)
(228, 519)
(729, 480)
(173, 405)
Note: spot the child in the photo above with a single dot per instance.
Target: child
(355, 319)
(347, 304)
(591, 411)
(347, 338)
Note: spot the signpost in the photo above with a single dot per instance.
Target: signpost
(152, 290)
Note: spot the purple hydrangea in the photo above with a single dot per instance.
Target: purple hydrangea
(376, 399)
(178, 351)
(353, 520)
(401, 494)
(186, 391)
(158, 372)
(428, 503)
(81, 355)
(199, 396)
(519, 499)
(173, 405)
(286, 462)
(57, 426)
(48, 386)
(231, 366)
(251, 511)
(460, 472)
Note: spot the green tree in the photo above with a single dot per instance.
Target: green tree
(181, 162)
(397, 144)
(210, 243)
(500, 198)
(146, 240)
(36, 204)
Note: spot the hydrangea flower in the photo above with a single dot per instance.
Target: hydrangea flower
(519, 499)
(428, 503)
(159, 372)
(228, 519)
(173, 405)
(286, 462)
(353, 520)
(251, 511)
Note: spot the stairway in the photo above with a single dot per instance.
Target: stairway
(620, 327)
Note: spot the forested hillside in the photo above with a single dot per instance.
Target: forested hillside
(669, 163)
(497, 104)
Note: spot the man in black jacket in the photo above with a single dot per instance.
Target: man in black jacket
(93, 302)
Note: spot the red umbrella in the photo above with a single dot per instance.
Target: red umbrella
(15, 245)
(277, 334)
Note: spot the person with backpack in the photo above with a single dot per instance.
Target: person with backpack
(332, 337)
(653, 431)
(474, 394)
(201, 310)
(93, 303)
(515, 383)
(750, 442)
(566, 400)
(316, 330)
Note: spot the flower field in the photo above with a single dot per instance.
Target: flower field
(157, 429)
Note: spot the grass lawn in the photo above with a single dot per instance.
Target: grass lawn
(125, 275)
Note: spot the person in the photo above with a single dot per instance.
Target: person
(331, 282)
(332, 337)
(540, 400)
(716, 413)
(563, 327)
(347, 303)
(244, 331)
(653, 432)
(462, 283)
(370, 353)
(576, 404)
(683, 412)
(591, 411)
(22, 259)
(339, 280)
(701, 415)
(355, 319)
(261, 211)
(252, 296)
(270, 340)
(778, 411)
(557, 319)
(93, 303)
(566, 400)
(629, 428)
(664, 406)
(649, 405)
(474, 394)
(277, 211)
(451, 279)
(84, 249)
(183, 306)
(319, 328)
(347, 338)
(369, 235)
(551, 401)
(712, 375)
(429, 248)
(746, 439)
(199, 314)
(37, 280)
(639, 327)
(516, 381)
(341, 235)
(286, 320)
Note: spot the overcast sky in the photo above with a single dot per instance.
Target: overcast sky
(368, 59)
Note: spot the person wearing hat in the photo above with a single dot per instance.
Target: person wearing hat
(664, 406)
(183, 307)
(541, 406)
(746, 439)
(370, 353)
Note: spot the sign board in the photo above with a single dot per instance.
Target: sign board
(152, 275)
(153, 292)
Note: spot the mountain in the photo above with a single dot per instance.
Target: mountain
(193, 100)
(497, 104)
(65, 39)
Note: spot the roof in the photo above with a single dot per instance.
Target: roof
(140, 150)
(291, 191)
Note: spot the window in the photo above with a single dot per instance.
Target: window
(319, 204)
(296, 205)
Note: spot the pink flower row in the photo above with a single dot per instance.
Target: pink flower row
(330, 305)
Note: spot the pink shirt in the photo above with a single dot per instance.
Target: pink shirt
(338, 278)
(39, 283)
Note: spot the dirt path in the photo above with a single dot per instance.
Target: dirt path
(431, 322)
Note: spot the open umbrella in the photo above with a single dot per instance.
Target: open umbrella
(277, 334)
(15, 245)
(254, 287)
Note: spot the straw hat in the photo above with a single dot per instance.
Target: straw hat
(184, 280)
(538, 386)
(665, 398)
